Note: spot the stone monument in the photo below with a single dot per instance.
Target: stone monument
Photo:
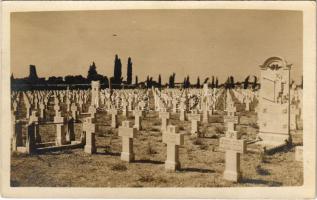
(274, 102)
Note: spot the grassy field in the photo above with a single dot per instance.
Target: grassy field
(202, 164)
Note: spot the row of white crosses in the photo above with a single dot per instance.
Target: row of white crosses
(245, 96)
(38, 101)
(194, 116)
(129, 100)
(170, 136)
(185, 100)
(231, 143)
(34, 112)
(296, 104)
(60, 96)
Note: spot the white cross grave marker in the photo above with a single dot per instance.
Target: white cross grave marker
(172, 140)
(233, 146)
(127, 135)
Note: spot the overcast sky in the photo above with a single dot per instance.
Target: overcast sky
(188, 42)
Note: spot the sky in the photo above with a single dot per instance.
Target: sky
(200, 43)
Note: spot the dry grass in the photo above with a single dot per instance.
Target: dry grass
(202, 164)
(119, 167)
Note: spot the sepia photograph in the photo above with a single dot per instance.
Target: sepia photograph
(159, 97)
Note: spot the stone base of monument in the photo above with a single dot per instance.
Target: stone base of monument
(272, 142)
(172, 166)
(73, 145)
(274, 138)
(129, 157)
(232, 176)
(273, 148)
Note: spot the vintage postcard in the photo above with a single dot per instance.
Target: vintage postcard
(158, 99)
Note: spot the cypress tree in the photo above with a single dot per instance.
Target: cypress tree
(117, 70)
(213, 82)
(173, 82)
(246, 82)
(187, 82)
(255, 82)
(92, 72)
(136, 80)
(129, 71)
(198, 82)
(159, 80)
(231, 82)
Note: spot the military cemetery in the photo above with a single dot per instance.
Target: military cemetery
(134, 130)
(223, 136)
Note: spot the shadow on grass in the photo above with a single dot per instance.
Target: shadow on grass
(108, 153)
(261, 171)
(149, 161)
(197, 170)
(54, 152)
(212, 137)
(259, 181)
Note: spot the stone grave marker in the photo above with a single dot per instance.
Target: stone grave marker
(172, 139)
(35, 120)
(80, 103)
(60, 128)
(73, 108)
(164, 115)
(294, 113)
(195, 118)
(92, 110)
(114, 118)
(205, 113)
(138, 114)
(14, 106)
(95, 88)
(68, 104)
(182, 109)
(233, 147)
(127, 135)
(124, 108)
(41, 107)
(28, 107)
(247, 102)
(89, 131)
(35, 103)
(30, 138)
(230, 119)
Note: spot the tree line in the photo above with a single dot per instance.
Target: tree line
(117, 81)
